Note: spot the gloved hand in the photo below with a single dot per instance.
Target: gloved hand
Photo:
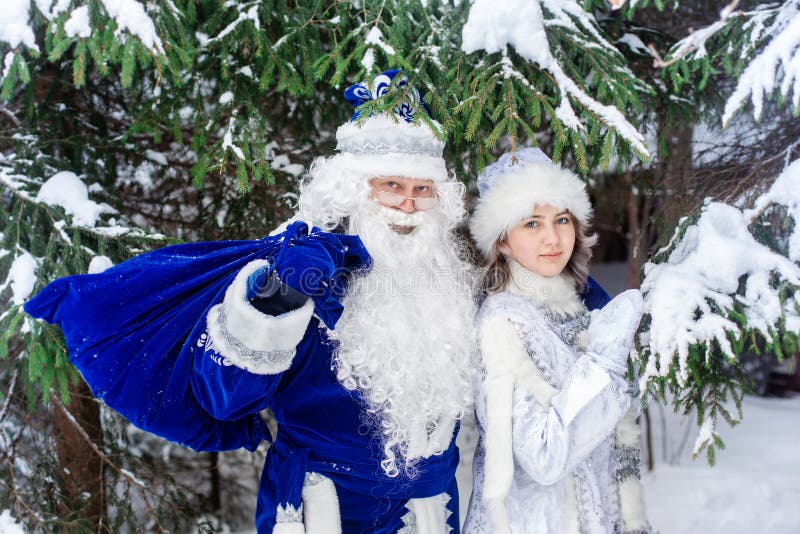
(611, 331)
(317, 264)
(262, 283)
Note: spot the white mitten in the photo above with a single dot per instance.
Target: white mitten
(610, 334)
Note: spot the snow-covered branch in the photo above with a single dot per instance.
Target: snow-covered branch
(493, 25)
(780, 57)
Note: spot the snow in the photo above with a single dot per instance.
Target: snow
(14, 28)
(131, 16)
(781, 55)
(8, 525)
(368, 61)
(226, 98)
(8, 60)
(78, 23)
(65, 189)
(227, 141)
(753, 486)
(99, 264)
(51, 10)
(282, 163)
(785, 191)
(704, 269)
(492, 25)
(633, 42)
(157, 157)
(251, 14)
(21, 277)
(375, 37)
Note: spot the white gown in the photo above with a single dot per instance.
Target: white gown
(547, 460)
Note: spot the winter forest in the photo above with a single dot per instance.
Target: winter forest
(127, 125)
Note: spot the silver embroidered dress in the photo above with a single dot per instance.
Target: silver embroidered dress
(562, 411)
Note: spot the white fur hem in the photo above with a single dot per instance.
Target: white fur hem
(430, 513)
(404, 165)
(632, 505)
(515, 194)
(288, 528)
(257, 330)
(321, 507)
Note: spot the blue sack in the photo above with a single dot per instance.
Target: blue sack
(130, 331)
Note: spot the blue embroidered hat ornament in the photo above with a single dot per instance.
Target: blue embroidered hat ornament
(510, 187)
(390, 144)
(362, 92)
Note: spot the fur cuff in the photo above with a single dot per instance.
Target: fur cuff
(257, 330)
(320, 505)
(249, 339)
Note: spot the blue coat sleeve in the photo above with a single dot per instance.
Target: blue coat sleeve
(239, 361)
(593, 295)
(226, 391)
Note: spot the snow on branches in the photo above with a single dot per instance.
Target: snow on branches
(493, 25)
(727, 283)
(780, 57)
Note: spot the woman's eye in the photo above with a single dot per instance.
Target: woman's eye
(531, 224)
(562, 220)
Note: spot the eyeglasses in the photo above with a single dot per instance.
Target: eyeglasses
(387, 198)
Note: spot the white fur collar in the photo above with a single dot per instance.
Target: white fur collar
(556, 293)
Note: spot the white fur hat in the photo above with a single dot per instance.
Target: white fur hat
(510, 187)
(389, 144)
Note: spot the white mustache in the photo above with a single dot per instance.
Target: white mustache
(398, 217)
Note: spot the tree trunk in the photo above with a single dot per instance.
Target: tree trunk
(215, 497)
(80, 473)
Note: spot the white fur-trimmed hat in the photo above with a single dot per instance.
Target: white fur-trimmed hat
(510, 187)
(390, 144)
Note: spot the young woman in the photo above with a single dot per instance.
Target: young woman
(557, 452)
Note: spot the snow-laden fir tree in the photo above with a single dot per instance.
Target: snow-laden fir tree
(126, 120)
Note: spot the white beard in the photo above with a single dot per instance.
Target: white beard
(406, 335)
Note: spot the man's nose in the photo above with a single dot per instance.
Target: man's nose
(407, 206)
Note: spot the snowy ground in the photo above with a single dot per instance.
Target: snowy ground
(754, 487)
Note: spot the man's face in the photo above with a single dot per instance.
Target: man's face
(408, 195)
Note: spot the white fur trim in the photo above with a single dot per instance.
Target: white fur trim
(503, 353)
(321, 508)
(257, 330)
(556, 293)
(631, 492)
(628, 432)
(514, 195)
(431, 513)
(632, 510)
(384, 131)
(571, 513)
(403, 165)
(288, 528)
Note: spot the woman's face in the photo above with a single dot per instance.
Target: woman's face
(542, 242)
